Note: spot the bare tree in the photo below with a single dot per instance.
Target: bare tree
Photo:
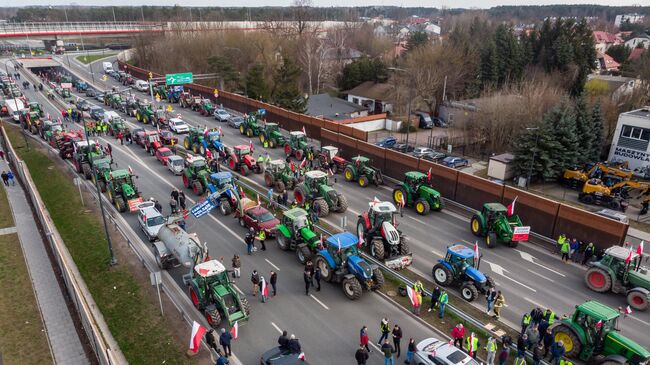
(301, 14)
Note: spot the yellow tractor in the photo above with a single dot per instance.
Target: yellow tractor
(610, 173)
(594, 191)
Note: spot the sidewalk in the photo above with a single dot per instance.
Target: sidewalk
(61, 331)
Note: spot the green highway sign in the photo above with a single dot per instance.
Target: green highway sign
(179, 79)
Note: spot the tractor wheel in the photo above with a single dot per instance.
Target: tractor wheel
(119, 204)
(287, 149)
(404, 248)
(491, 240)
(442, 275)
(197, 187)
(249, 133)
(378, 276)
(245, 306)
(86, 171)
(343, 204)
(348, 174)
(614, 205)
(271, 143)
(326, 272)
(138, 117)
(321, 208)
(299, 155)
(186, 181)
(352, 288)
(377, 249)
(422, 206)
(213, 317)
(194, 298)
(637, 299)
(567, 335)
(291, 183)
(587, 198)
(195, 148)
(303, 254)
(242, 129)
(598, 280)
(476, 226)
(145, 119)
(363, 181)
(262, 138)
(224, 207)
(186, 143)
(202, 150)
(299, 194)
(468, 291)
(268, 179)
(111, 198)
(244, 170)
(283, 242)
(279, 187)
(399, 195)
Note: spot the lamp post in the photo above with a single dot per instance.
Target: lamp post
(532, 161)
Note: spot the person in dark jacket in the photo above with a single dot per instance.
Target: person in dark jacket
(294, 344)
(503, 356)
(397, 337)
(307, 278)
(283, 341)
(317, 278)
(209, 338)
(388, 351)
(181, 199)
(361, 355)
(273, 280)
(536, 315)
(538, 353)
(222, 360)
(557, 351)
(547, 341)
(224, 341)
(435, 295)
(410, 351)
(521, 345)
(589, 252)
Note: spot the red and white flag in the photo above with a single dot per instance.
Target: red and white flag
(599, 324)
(628, 310)
(639, 249)
(360, 244)
(292, 166)
(220, 131)
(303, 130)
(303, 162)
(358, 160)
(234, 331)
(629, 256)
(511, 207)
(413, 296)
(476, 256)
(375, 201)
(402, 201)
(339, 242)
(429, 174)
(322, 243)
(471, 345)
(205, 131)
(265, 289)
(197, 334)
(259, 202)
(250, 144)
(301, 357)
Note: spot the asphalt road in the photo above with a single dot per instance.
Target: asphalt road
(528, 275)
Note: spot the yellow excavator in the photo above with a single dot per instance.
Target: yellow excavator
(594, 191)
(610, 173)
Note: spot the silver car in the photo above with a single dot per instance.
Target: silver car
(150, 220)
(421, 151)
(235, 122)
(433, 351)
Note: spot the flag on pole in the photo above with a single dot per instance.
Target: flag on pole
(358, 162)
(429, 174)
(629, 256)
(339, 242)
(303, 162)
(265, 289)
(205, 131)
(303, 130)
(471, 345)
(301, 357)
(599, 324)
(197, 334)
(413, 296)
(639, 249)
(259, 202)
(628, 310)
(375, 201)
(360, 244)
(234, 331)
(511, 207)
(476, 256)
(220, 131)
(250, 144)
(130, 171)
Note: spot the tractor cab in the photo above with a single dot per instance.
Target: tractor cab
(195, 163)
(462, 258)
(329, 152)
(214, 136)
(35, 107)
(298, 139)
(272, 128)
(624, 273)
(222, 179)
(361, 161)
(152, 137)
(84, 148)
(415, 179)
(277, 166)
(211, 272)
(343, 246)
(297, 219)
(316, 178)
(145, 105)
(122, 180)
(242, 151)
(380, 212)
(493, 210)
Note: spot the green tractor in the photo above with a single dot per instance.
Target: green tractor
(591, 335)
(613, 273)
(83, 154)
(50, 129)
(196, 174)
(297, 145)
(359, 169)
(494, 223)
(122, 191)
(317, 190)
(193, 140)
(250, 127)
(296, 232)
(144, 113)
(279, 176)
(116, 126)
(215, 296)
(101, 171)
(205, 107)
(66, 95)
(416, 190)
(35, 107)
(113, 100)
(271, 137)
(160, 91)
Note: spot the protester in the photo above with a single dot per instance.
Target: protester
(224, 341)
(236, 266)
(361, 355)
(491, 348)
(458, 334)
(557, 351)
(384, 329)
(363, 338)
(397, 338)
(410, 351)
(490, 296)
(274, 280)
(435, 295)
(283, 341)
(499, 303)
(255, 280)
(388, 351)
(306, 276)
(443, 300)
(294, 345)
(209, 339)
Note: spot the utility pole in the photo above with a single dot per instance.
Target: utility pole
(532, 161)
(142, 12)
(113, 8)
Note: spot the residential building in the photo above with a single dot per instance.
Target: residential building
(606, 62)
(640, 41)
(373, 96)
(332, 108)
(636, 53)
(604, 40)
(632, 18)
(631, 140)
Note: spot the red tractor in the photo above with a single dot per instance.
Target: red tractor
(188, 100)
(151, 142)
(329, 159)
(242, 160)
(64, 143)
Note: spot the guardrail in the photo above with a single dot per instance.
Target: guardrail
(101, 339)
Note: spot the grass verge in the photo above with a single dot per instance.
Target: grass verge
(86, 59)
(136, 324)
(22, 336)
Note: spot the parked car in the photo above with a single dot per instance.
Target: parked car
(420, 151)
(166, 137)
(433, 351)
(403, 147)
(439, 122)
(99, 97)
(162, 154)
(83, 105)
(278, 356)
(175, 164)
(141, 85)
(221, 115)
(425, 121)
(97, 113)
(178, 126)
(434, 156)
(90, 92)
(455, 162)
(235, 122)
(257, 217)
(386, 142)
(150, 220)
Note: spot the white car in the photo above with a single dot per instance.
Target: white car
(150, 220)
(221, 115)
(175, 164)
(141, 85)
(433, 351)
(178, 126)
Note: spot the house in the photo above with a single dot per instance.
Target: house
(342, 55)
(416, 20)
(331, 108)
(604, 40)
(632, 18)
(607, 63)
(640, 41)
(501, 167)
(373, 96)
(432, 29)
(636, 53)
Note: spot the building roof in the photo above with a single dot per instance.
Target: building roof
(636, 53)
(641, 113)
(607, 62)
(330, 107)
(605, 37)
(504, 158)
(372, 90)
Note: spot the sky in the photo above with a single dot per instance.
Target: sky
(407, 3)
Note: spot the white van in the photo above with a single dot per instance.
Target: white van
(141, 85)
(108, 66)
(109, 116)
(175, 164)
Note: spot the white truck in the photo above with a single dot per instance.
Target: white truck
(108, 66)
(14, 106)
(109, 116)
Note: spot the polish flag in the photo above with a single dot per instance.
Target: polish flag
(413, 296)
(234, 331)
(292, 166)
(303, 162)
(429, 174)
(511, 207)
(628, 310)
(205, 131)
(197, 334)
(375, 201)
(265, 289)
(339, 241)
(259, 202)
(402, 201)
(322, 243)
(250, 144)
(639, 249)
(301, 357)
(471, 345)
(629, 256)
(220, 131)
(599, 325)
(360, 244)
(130, 171)
(358, 161)
(303, 130)
(476, 256)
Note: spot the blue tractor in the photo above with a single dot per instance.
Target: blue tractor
(212, 141)
(460, 268)
(222, 192)
(340, 262)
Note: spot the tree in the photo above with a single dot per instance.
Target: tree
(597, 123)
(584, 130)
(228, 77)
(417, 39)
(362, 70)
(286, 93)
(256, 86)
(489, 65)
(563, 122)
(619, 52)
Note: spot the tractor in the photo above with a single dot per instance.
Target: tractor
(270, 136)
(592, 335)
(329, 159)
(50, 129)
(359, 170)
(620, 271)
(416, 190)
(297, 145)
(35, 107)
(296, 232)
(160, 91)
(205, 107)
(101, 170)
(377, 228)
(196, 174)
(81, 86)
(161, 117)
(278, 175)
(114, 100)
(82, 155)
(151, 142)
(222, 192)
(188, 100)
(494, 223)
(144, 113)
(122, 191)
(340, 262)
(215, 296)
(174, 94)
(194, 140)
(317, 190)
(212, 142)
(460, 267)
(66, 95)
(242, 160)
(116, 126)
(250, 126)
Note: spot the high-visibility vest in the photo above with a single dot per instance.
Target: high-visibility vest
(491, 346)
(526, 320)
(418, 287)
(521, 361)
(551, 318)
(260, 159)
(444, 298)
(268, 159)
(473, 347)
(261, 236)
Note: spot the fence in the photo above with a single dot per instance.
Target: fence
(101, 339)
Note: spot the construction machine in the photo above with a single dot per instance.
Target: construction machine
(609, 172)
(595, 191)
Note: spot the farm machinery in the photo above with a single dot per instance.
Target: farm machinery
(122, 191)
(494, 223)
(270, 136)
(279, 176)
(250, 127)
(460, 267)
(242, 160)
(316, 190)
(196, 174)
(175, 247)
(222, 192)
(101, 169)
(188, 100)
(377, 228)
(359, 170)
(144, 113)
(296, 232)
(329, 159)
(205, 107)
(416, 191)
(82, 157)
(297, 145)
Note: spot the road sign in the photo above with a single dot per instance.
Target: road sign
(521, 233)
(170, 108)
(179, 79)
(216, 93)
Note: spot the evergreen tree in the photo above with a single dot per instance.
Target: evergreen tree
(361, 70)
(584, 130)
(597, 130)
(286, 93)
(228, 77)
(417, 39)
(256, 86)
(619, 52)
(538, 144)
(489, 72)
(563, 123)
(510, 54)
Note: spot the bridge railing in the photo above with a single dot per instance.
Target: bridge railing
(41, 27)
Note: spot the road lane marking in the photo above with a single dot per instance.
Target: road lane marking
(540, 275)
(276, 327)
(418, 220)
(530, 258)
(375, 347)
(417, 271)
(499, 270)
(536, 302)
(640, 320)
(272, 264)
(319, 302)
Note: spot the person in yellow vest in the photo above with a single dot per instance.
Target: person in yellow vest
(520, 360)
(565, 362)
(491, 349)
(260, 163)
(418, 287)
(525, 321)
(261, 236)
(267, 161)
(560, 241)
(564, 248)
(472, 344)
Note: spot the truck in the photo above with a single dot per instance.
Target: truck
(108, 66)
(175, 247)
(14, 106)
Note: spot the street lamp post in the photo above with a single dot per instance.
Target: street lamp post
(408, 112)
(532, 161)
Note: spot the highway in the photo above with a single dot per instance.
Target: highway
(528, 275)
